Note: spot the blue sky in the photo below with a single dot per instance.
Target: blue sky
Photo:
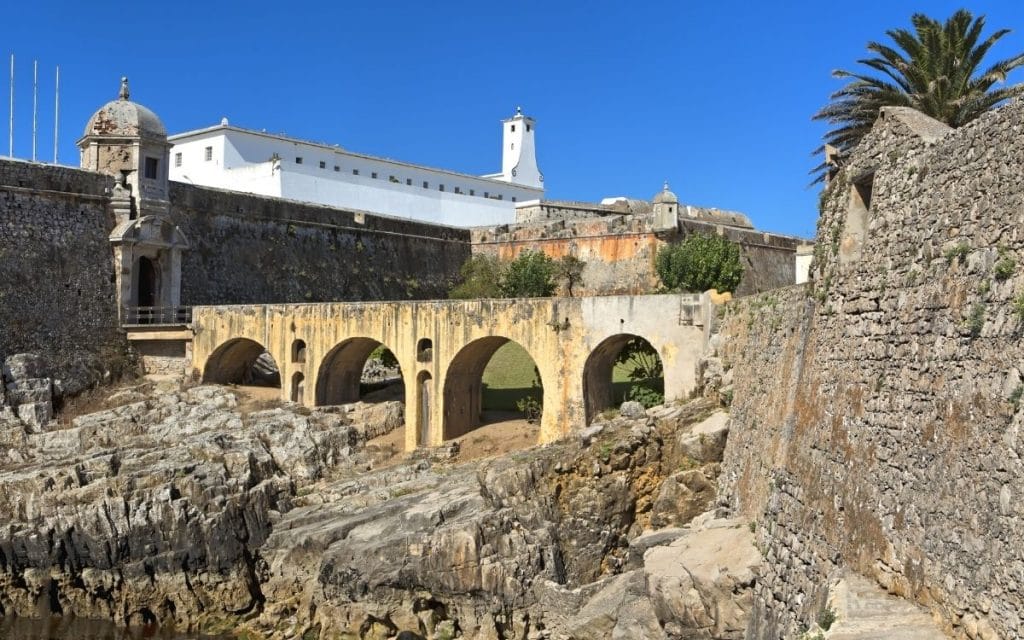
(716, 97)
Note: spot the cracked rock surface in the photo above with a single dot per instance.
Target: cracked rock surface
(183, 508)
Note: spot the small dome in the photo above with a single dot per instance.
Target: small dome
(124, 118)
(665, 196)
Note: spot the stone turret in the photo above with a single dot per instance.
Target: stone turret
(666, 209)
(126, 140)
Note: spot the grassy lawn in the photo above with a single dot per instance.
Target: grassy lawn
(509, 375)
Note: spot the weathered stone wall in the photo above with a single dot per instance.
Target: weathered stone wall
(620, 249)
(876, 417)
(57, 293)
(253, 249)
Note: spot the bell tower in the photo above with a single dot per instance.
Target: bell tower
(518, 151)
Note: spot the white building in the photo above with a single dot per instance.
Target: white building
(229, 157)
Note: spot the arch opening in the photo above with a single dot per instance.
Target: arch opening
(298, 388)
(299, 351)
(623, 367)
(493, 380)
(359, 369)
(242, 362)
(146, 284)
(426, 405)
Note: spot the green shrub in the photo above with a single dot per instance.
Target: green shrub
(698, 263)
(481, 278)
(1018, 307)
(646, 395)
(976, 320)
(957, 252)
(1005, 266)
(531, 408)
(530, 275)
(826, 617)
(385, 356)
(569, 269)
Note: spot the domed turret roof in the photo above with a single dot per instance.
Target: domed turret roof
(124, 118)
(665, 196)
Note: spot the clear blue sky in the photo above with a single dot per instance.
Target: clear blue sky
(716, 97)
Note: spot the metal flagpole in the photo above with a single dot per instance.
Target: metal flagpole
(10, 128)
(56, 114)
(35, 106)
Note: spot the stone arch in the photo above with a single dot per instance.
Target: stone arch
(425, 402)
(599, 391)
(147, 283)
(298, 387)
(299, 351)
(338, 379)
(242, 361)
(463, 385)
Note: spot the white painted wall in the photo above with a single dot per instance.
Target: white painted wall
(265, 164)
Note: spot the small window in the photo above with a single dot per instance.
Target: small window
(513, 198)
(150, 170)
(513, 128)
(408, 182)
(424, 350)
(374, 175)
(298, 159)
(355, 172)
(513, 145)
(440, 188)
(527, 128)
(500, 197)
(487, 195)
(299, 351)
(208, 154)
(323, 165)
(337, 168)
(426, 185)
(458, 190)
(177, 159)
(472, 193)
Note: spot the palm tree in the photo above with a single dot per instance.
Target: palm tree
(935, 69)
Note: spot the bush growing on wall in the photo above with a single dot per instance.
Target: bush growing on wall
(698, 263)
(530, 275)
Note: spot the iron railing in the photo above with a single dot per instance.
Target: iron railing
(157, 315)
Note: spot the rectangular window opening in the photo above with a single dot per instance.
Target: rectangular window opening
(151, 168)
(374, 175)
(323, 165)
(177, 159)
(408, 182)
(298, 159)
(337, 168)
(208, 154)
(355, 172)
(426, 185)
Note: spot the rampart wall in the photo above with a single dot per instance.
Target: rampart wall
(57, 293)
(876, 416)
(255, 249)
(620, 249)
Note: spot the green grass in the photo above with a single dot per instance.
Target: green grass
(508, 377)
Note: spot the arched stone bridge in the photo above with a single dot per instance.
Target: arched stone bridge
(443, 346)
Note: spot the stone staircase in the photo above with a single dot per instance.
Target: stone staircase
(864, 611)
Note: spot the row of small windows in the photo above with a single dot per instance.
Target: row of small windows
(208, 156)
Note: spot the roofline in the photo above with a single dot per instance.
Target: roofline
(222, 128)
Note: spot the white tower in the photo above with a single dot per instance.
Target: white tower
(518, 152)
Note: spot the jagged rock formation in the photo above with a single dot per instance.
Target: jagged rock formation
(186, 507)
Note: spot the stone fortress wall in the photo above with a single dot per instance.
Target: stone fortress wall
(57, 297)
(877, 413)
(620, 248)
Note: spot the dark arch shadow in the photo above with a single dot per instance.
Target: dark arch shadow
(599, 390)
(242, 361)
(341, 372)
(463, 386)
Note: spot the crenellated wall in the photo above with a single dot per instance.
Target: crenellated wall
(876, 414)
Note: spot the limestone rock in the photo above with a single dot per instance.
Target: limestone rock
(632, 409)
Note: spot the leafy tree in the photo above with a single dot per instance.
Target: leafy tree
(530, 275)
(698, 263)
(569, 269)
(936, 69)
(481, 278)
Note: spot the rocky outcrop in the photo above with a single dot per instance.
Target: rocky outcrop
(178, 507)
